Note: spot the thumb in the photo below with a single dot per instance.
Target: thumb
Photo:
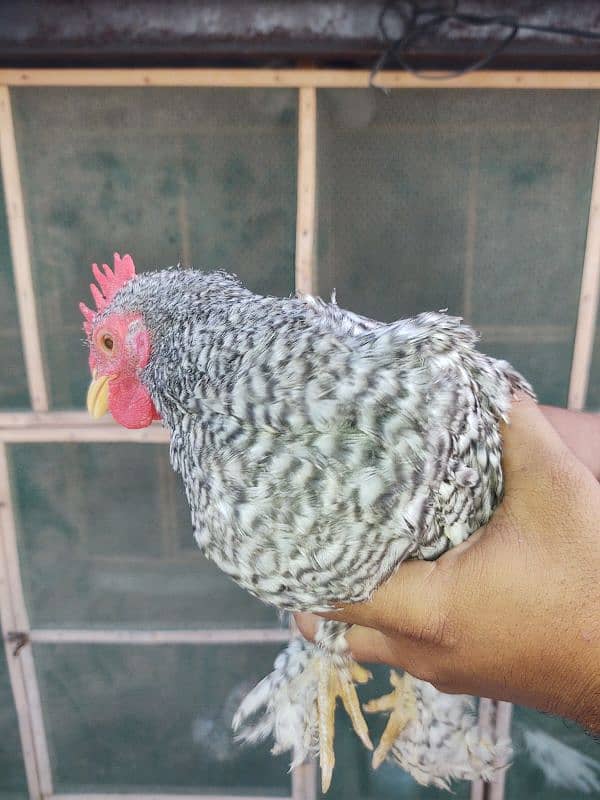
(530, 445)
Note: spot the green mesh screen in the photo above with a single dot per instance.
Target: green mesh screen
(153, 719)
(198, 176)
(106, 540)
(468, 200)
(560, 744)
(13, 383)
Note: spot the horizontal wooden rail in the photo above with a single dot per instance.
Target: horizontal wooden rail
(72, 426)
(150, 796)
(157, 637)
(299, 78)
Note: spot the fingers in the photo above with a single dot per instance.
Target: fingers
(307, 624)
(530, 443)
(373, 646)
(366, 644)
(410, 603)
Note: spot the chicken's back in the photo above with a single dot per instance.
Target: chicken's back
(337, 447)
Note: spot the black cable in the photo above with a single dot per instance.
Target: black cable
(417, 22)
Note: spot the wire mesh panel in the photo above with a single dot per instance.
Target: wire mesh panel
(153, 719)
(201, 176)
(13, 383)
(106, 541)
(13, 785)
(472, 201)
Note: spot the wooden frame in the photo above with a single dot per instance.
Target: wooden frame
(19, 245)
(588, 299)
(21, 667)
(298, 78)
(140, 796)
(158, 637)
(42, 425)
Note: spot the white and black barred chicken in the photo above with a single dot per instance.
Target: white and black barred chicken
(319, 450)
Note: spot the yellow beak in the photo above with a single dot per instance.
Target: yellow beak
(97, 396)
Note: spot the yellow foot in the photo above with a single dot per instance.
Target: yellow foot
(403, 705)
(334, 683)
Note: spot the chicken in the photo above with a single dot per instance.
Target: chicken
(318, 450)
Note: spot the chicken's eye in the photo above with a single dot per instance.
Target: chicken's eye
(107, 342)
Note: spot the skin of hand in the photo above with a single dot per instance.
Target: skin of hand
(514, 612)
(580, 431)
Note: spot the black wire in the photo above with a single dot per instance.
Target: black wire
(417, 22)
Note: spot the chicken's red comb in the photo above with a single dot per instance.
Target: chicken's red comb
(109, 283)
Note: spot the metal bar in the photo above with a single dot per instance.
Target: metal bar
(158, 637)
(25, 688)
(286, 31)
(588, 299)
(306, 191)
(19, 246)
(299, 78)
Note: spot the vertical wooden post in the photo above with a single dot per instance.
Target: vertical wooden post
(588, 299)
(503, 722)
(306, 191)
(19, 246)
(486, 724)
(13, 615)
(304, 777)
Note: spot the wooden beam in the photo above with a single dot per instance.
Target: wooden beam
(588, 299)
(182, 796)
(73, 426)
(21, 669)
(299, 78)
(304, 776)
(19, 246)
(8, 623)
(158, 637)
(503, 724)
(486, 725)
(306, 191)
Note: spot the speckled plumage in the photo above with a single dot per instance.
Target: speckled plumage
(319, 450)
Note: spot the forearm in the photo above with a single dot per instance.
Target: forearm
(581, 433)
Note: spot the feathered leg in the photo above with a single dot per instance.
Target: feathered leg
(435, 736)
(298, 699)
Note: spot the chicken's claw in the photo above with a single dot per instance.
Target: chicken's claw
(402, 704)
(334, 683)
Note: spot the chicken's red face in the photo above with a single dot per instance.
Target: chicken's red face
(120, 348)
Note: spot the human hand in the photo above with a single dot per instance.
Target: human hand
(580, 431)
(514, 612)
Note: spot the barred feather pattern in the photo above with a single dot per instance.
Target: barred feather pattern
(319, 449)
(445, 743)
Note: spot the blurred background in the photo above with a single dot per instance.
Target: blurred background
(430, 196)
